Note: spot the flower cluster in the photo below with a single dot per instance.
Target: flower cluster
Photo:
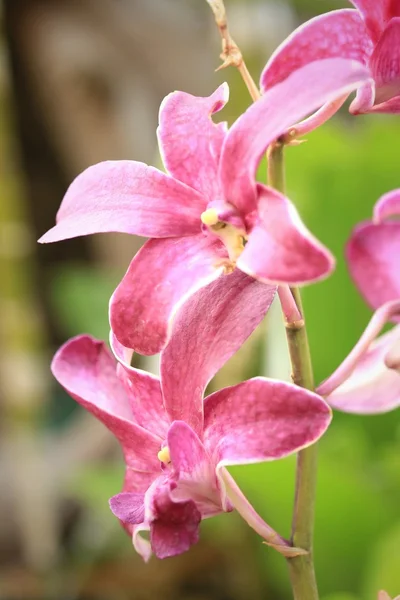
(221, 244)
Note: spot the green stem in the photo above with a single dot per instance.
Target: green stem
(301, 568)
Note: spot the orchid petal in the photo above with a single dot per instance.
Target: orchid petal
(372, 387)
(372, 256)
(392, 9)
(385, 63)
(364, 100)
(384, 314)
(387, 206)
(280, 249)
(373, 13)
(190, 143)
(141, 545)
(160, 277)
(127, 197)
(221, 316)
(195, 474)
(128, 507)
(304, 91)
(174, 526)
(232, 491)
(336, 34)
(392, 107)
(138, 481)
(260, 420)
(87, 371)
(144, 391)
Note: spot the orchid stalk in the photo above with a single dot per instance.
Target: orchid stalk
(301, 568)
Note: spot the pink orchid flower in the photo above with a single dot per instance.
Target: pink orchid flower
(368, 381)
(208, 214)
(177, 446)
(370, 34)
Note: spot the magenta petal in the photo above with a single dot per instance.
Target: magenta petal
(392, 106)
(159, 278)
(336, 34)
(280, 248)
(392, 9)
(138, 481)
(374, 13)
(373, 258)
(128, 507)
(385, 63)
(262, 419)
(304, 91)
(193, 469)
(387, 206)
(174, 526)
(128, 197)
(190, 142)
(143, 390)
(221, 317)
(86, 369)
(372, 387)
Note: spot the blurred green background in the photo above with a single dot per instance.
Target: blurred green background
(81, 81)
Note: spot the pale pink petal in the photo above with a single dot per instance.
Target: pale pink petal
(194, 472)
(128, 507)
(392, 358)
(373, 259)
(387, 206)
(372, 387)
(385, 63)
(143, 389)
(262, 419)
(321, 116)
(232, 491)
(141, 545)
(364, 100)
(373, 13)
(174, 526)
(190, 143)
(221, 317)
(159, 278)
(303, 92)
(384, 314)
(280, 249)
(86, 369)
(336, 34)
(127, 197)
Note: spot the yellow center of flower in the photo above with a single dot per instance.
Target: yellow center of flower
(209, 217)
(164, 455)
(233, 238)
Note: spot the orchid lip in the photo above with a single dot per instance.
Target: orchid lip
(228, 228)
